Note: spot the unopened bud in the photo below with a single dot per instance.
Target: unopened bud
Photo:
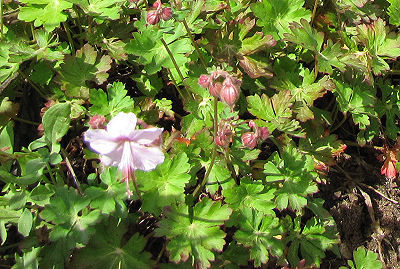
(263, 133)
(252, 125)
(223, 137)
(166, 13)
(204, 81)
(152, 17)
(97, 122)
(230, 91)
(215, 89)
(249, 140)
(156, 4)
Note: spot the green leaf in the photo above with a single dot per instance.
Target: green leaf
(389, 105)
(149, 85)
(198, 238)
(312, 241)
(164, 185)
(257, 232)
(296, 172)
(9, 215)
(41, 73)
(250, 194)
(153, 55)
(107, 250)
(275, 17)
(357, 99)
(56, 124)
(275, 110)
(108, 197)
(25, 222)
(394, 12)
(73, 223)
(48, 13)
(28, 261)
(85, 66)
(102, 9)
(366, 259)
(110, 104)
(7, 68)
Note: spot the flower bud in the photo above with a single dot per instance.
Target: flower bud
(156, 4)
(249, 140)
(252, 125)
(215, 89)
(97, 122)
(263, 133)
(230, 92)
(204, 81)
(223, 137)
(152, 17)
(166, 13)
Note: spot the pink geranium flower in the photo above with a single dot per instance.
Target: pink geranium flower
(122, 145)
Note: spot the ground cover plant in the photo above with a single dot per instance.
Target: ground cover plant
(207, 134)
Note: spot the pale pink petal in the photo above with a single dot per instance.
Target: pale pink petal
(122, 125)
(146, 136)
(146, 158)
(100, 141)
(113, 158)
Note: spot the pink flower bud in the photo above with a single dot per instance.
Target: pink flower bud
(97, 122)
(204, 81)
(230, 91)
(249, 140)
(223, 137)
(263, 133)
(166, 13)
(156, 4)
(152, 17)
(252, 125)
(215, 89)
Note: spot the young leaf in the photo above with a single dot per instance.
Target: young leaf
(56, 124)
(275, 17)
(49, 13)
(198, 238)
(25, 222)
(364, 259)
(257, 232)
(112, 103)
(164, 185)
(107, 250)
(85, 66)
(101, 9)
(276, 110)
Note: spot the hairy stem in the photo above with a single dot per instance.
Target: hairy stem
(203, 62)
(70, 41)
(174, 62)
(200, 187)
(71, 170)
(1, 18)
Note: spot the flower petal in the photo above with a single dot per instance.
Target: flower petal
(146, 136)
(114, 157)
(100, 141)
(146, 158)
(122, 125)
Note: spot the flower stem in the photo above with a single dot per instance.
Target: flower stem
(200, 187)
(71, 170)
(71, 42)
(174, 62)
(203, 62)
(176, 86)
(1, 18)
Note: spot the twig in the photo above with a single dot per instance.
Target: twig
(379, 193)
(71, 170)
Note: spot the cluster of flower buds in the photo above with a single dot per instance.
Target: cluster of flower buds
(158, 12)
(250, 139)
(221, 85)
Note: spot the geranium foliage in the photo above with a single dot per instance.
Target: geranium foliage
(181, 134)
